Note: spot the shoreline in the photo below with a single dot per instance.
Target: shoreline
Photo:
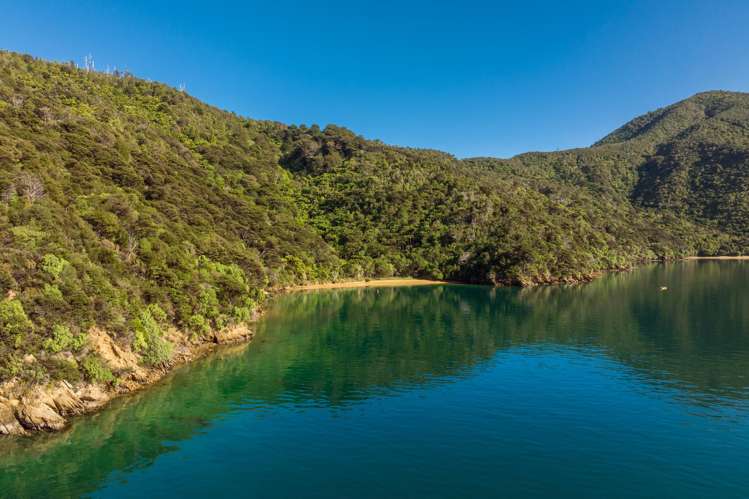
(716, 258)
(26, 410)
(31, 409)
(371, 283)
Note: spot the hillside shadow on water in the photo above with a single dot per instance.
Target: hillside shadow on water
(335, 348)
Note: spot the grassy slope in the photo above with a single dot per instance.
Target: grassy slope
(131, 206)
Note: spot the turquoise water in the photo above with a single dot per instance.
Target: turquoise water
(612, 389)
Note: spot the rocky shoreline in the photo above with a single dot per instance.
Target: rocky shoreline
(29, 408)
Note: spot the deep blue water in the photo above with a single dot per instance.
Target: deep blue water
(612, 389)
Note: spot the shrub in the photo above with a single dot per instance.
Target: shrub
(221, 321)
(199, 324)
(159, 352)
(384, 268)
(12, 366)
(208, 304)
(28, 236)
(96, 371)
(242, 314)
(7, 281)
(53, 293)
(64, 369)
(53, 265)
(13, 319)
(63, 339)
(149, 340)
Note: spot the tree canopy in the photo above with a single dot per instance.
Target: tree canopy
(131, 206)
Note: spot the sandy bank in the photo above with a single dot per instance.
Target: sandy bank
(374, 283)
(717, 258)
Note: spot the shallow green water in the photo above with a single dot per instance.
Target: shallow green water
(612, 389)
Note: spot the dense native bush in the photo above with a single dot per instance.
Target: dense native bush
(131, 206)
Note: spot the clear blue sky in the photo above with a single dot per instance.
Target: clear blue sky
(468, 77)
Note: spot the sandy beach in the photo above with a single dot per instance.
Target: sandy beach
(374, 283)
(717, 258)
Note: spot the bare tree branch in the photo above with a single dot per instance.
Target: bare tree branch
(30, 187)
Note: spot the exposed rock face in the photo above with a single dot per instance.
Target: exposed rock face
(66, 402)
(37, 411)
(25, 409)
(92, 396)
(117, 358)
(47, 408)
(9, 425)
(43, 407)
(232, 334)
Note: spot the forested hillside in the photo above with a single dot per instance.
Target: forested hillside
(133, 207)
(689, 160)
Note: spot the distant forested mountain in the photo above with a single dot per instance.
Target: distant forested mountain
(133, 207)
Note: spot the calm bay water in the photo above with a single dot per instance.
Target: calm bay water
(612, 389)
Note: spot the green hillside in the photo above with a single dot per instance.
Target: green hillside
(689, 160)
(130, 206)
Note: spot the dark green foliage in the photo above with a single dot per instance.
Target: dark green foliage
(689, 160)
(134, 207)
(413, 212)
(117, 194)
(698, 162)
